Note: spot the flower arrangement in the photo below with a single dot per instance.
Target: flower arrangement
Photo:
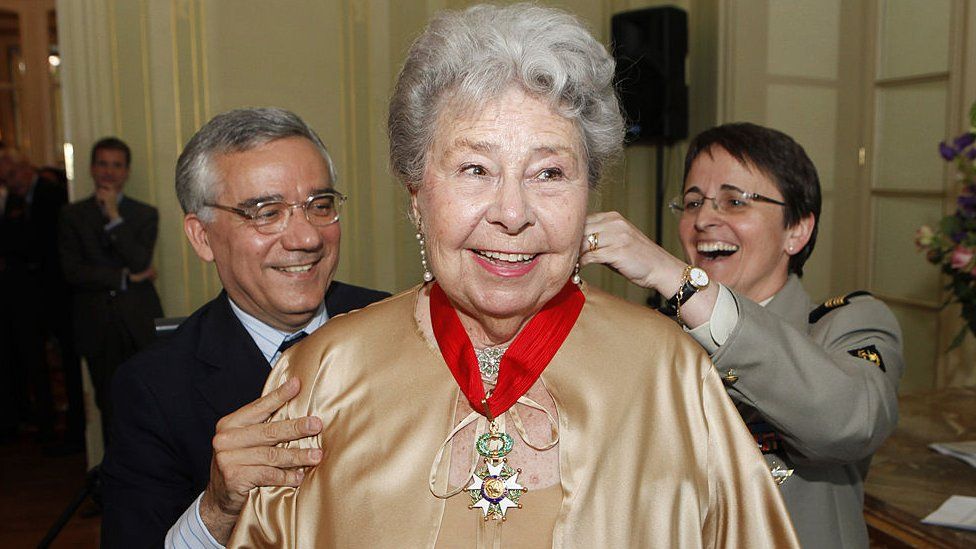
(952, 245)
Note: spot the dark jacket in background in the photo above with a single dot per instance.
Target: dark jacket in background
(94, 259)
(33, 304)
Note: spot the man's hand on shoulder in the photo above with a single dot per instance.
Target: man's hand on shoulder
(245, 456)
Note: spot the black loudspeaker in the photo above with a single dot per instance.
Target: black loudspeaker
(650, 46)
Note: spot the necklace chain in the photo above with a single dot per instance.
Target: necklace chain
(489, 361)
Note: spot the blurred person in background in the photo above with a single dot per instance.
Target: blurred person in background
(106, 245)
(33, 295)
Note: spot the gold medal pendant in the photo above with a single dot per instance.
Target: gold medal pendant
(494, 487)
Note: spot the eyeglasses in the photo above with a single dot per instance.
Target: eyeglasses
(272, 216)
(730, 200)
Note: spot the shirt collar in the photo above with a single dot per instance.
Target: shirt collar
(268, 338)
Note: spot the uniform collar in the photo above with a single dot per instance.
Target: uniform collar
(791, 302)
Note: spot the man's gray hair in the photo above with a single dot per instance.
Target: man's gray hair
(466, 58)
(234, 131)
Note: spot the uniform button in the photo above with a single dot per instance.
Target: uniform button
(730, 377)
(112, 293)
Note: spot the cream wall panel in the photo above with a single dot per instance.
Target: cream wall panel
(809, 115)
(921, 327)
(704, 69)
(803, 38)
(747, 43)
(911, 120)
(897, 269)
(914, 37)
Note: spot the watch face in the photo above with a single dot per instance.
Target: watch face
(698, 277)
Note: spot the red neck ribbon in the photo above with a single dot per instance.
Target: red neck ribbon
(525, 358)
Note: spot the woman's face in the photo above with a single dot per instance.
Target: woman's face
(748, 251)
(502, 205)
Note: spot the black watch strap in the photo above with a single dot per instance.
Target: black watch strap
(685, 292)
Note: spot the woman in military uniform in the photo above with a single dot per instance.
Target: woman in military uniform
(817, 384)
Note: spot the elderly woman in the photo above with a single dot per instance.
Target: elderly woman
(817, 383)
(504, 402)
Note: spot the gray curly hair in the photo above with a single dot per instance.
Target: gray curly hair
(475, 55)
(234, 131)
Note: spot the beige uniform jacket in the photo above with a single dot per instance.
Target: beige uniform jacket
(652, 451)
(832, 408)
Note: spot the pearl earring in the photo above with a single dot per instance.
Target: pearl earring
(576, 276)
(428, 276)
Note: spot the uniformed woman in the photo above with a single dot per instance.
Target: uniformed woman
(817, 384)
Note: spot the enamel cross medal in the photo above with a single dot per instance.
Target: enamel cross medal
(494, 486)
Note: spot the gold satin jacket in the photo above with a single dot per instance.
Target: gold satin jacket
(652, 451)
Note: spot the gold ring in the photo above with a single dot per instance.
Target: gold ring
(593, 239)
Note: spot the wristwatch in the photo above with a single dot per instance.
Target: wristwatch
(693, 280)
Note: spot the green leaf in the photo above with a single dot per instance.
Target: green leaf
(957, 341)
(972, 115)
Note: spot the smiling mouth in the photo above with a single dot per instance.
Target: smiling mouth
(296, 268)
(715, 250)
(503, 258)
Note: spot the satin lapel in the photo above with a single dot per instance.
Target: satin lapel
(793, 304)
(236, 369)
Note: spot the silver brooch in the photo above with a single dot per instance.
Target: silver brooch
(489, 361)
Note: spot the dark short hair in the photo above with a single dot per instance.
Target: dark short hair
(779, 157)
(112, 144)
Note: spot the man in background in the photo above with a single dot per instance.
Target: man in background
(106, 243)
(257, 187)
(32, 296)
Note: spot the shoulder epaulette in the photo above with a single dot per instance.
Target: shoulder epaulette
(832, 304)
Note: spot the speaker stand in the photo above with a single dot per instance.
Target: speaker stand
(655, 300)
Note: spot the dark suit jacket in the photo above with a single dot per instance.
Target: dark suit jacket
(93, 260)
(168, 401)
(29, 246)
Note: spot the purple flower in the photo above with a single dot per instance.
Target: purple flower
(971, 153)
(964, 141)
(958, 236)
(967, 204)
(947, 152)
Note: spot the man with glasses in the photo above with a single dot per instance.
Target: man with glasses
(816, 383)
(257, 190)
